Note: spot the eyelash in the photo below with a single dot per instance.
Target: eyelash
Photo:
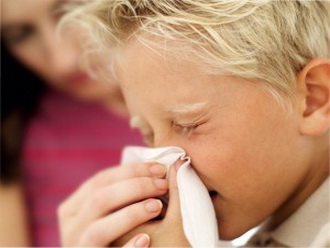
(186, 129)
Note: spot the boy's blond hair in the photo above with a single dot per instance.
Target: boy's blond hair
(263, 40)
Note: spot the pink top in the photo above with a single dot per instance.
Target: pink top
(65, 143)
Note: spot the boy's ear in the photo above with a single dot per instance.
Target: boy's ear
(315, 78)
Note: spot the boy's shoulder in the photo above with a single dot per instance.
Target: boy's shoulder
(308, 226)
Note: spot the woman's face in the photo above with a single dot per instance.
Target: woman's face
(243, 145)
(29, 31)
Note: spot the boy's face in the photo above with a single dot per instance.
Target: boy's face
(243, 144)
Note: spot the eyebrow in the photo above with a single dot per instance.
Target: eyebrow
(187, 108)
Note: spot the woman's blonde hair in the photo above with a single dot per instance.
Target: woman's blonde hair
(263, 40)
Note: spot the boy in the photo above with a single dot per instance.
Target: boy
(243, 88)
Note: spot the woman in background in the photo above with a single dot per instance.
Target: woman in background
(56, 135)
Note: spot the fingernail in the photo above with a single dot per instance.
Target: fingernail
(161, 184)
(157, 170)
(153, 205)
(142, 241)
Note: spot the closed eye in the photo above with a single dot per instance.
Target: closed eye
(185, 128)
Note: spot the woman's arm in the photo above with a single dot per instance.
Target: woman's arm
(13, 216)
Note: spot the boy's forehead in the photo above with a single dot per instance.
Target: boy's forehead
(138, 54)
(177, 87)
(147, 71)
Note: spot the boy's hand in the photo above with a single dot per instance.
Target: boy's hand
(111, 204)
(167, 232)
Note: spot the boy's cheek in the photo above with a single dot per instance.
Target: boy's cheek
(218, 163)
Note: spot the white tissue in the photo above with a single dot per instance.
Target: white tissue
(198, 216)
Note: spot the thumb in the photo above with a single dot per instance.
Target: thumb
(173, 211)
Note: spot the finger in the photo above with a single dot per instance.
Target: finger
(173, 210)
(110, 228)
(119, 173)
(120, 194)
(140, 240)
(109, 176)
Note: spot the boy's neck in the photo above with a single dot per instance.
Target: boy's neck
(307, 187)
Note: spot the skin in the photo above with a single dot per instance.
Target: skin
(12, 212)
(257, 169)
(29, 31)
(132, 186)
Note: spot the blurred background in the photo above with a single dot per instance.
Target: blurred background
(59, 125)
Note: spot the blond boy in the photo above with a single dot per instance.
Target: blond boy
(243, 87)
